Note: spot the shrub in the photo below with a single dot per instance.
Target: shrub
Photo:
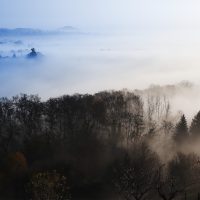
(48, 186)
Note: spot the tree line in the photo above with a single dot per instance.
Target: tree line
(94, 146)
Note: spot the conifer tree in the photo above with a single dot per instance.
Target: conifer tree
(181, 131)
(195, 125)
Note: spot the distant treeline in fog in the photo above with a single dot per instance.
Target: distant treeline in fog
(110, 145)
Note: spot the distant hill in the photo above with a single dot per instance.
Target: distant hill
(37, 32)
(20, 31)
(68, 28)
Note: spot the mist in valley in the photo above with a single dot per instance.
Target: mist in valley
(88, 63)
(92, 62)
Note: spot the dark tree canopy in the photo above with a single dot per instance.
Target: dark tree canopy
(92, 140)
(135, 177)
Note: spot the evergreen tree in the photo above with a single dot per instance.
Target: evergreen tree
(181, 131)
(195, 125)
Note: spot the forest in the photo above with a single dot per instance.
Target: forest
(105, 146)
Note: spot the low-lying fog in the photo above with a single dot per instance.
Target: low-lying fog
(88, 63)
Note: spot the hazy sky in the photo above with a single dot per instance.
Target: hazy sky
(163, 49)
(99, 14)
(161, 45)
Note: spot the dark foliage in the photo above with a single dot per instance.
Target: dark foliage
(181, 132)
(95, 142)
(195, 125)
(77, 135)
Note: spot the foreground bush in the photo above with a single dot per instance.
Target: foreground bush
(48, 186)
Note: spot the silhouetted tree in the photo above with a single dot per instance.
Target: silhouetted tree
(136, 176)
(175, 178)
(195, 125)
(8, 126)
(181, 130)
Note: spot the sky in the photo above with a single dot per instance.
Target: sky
(101, 14)
(161, 45)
